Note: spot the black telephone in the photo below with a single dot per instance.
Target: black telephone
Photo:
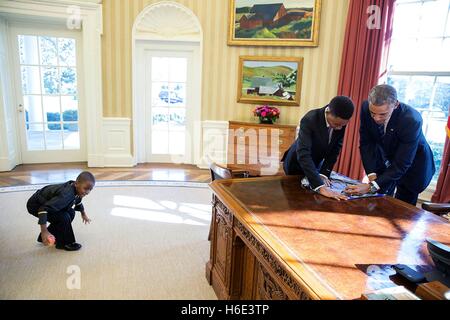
(409, 274)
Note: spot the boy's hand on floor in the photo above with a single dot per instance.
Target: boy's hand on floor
(86, 219)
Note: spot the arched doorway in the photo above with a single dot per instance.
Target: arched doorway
(167, 69)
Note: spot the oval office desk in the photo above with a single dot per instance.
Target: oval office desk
(274, 240)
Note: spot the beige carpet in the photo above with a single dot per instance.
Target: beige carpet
(144, 243)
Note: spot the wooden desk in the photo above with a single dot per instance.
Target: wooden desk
(274, 240)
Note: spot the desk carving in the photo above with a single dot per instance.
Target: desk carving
(271, 261)
(225, 269)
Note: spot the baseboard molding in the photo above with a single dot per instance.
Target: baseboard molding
(96, 160)
(6, 164)
(124, 161)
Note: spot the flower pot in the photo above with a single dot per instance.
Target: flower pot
(265, 120)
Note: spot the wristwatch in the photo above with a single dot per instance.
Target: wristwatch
(373, 188)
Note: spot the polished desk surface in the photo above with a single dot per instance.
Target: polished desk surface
(339, 250)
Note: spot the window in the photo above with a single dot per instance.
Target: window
(49, 87)
(169, 77)
(419, 65)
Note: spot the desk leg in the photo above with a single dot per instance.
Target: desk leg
(224, 269)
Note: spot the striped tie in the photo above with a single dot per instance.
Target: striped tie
(381, 130)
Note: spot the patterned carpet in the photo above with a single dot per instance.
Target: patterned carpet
(146, 241)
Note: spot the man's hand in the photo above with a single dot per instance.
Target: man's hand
(372, 177)
(359, 189)
(85, 218)
(325, 180)
(327, 192)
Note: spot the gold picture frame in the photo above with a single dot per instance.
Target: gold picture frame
(274, 24)
(270, 80)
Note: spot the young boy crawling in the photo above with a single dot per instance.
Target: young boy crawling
(57, 204)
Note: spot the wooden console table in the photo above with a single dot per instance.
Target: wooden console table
(258, 148)
(274, 240)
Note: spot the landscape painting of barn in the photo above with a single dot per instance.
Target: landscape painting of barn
(272, 22)
(271, 80)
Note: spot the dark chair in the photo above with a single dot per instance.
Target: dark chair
(220, 173)
(441, 209)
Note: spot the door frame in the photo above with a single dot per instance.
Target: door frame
(89, 16)
(141, 134)
(179, 26)
(80, 155)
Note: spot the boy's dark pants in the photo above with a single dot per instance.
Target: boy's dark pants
(60, 226)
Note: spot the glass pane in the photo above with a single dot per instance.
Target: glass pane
(53, 136)
(421, 55)
(52, 110)
(67, 52)
(31, 83)
(160, 94)
(177, 94)
(429, 55)
(447, 33)
(177, 142)
(434, 15)
(33, 110)
(442, 97)
(35, 136)
(52, 126)
(160, 69)
(415, 91)
(50, 80)
(178, 70)
(68, 81)
(48, 51)
(177, 119)
(444, 57)
(160, 142)
(69, 108)
(405, 22)
(71, 136)
(160, 119)
(28, 50)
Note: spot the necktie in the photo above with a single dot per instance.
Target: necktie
(381, 130)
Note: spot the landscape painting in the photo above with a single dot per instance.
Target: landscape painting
(270, 80)
(274, 23)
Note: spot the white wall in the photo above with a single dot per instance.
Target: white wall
(8, 142)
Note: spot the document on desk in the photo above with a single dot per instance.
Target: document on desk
(339, 183)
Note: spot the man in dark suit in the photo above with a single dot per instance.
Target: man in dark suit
(318, 145)
(393, 148)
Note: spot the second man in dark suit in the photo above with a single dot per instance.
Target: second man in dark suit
(318, 145)
(394, 151)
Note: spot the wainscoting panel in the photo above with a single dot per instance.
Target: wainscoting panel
(117, 142)
(214, 143)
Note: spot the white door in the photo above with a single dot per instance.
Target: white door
(169, 106)
(50, 104)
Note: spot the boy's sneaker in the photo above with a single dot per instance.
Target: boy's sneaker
(70, 247)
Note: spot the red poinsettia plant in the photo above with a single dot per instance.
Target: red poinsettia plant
(267, 114)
